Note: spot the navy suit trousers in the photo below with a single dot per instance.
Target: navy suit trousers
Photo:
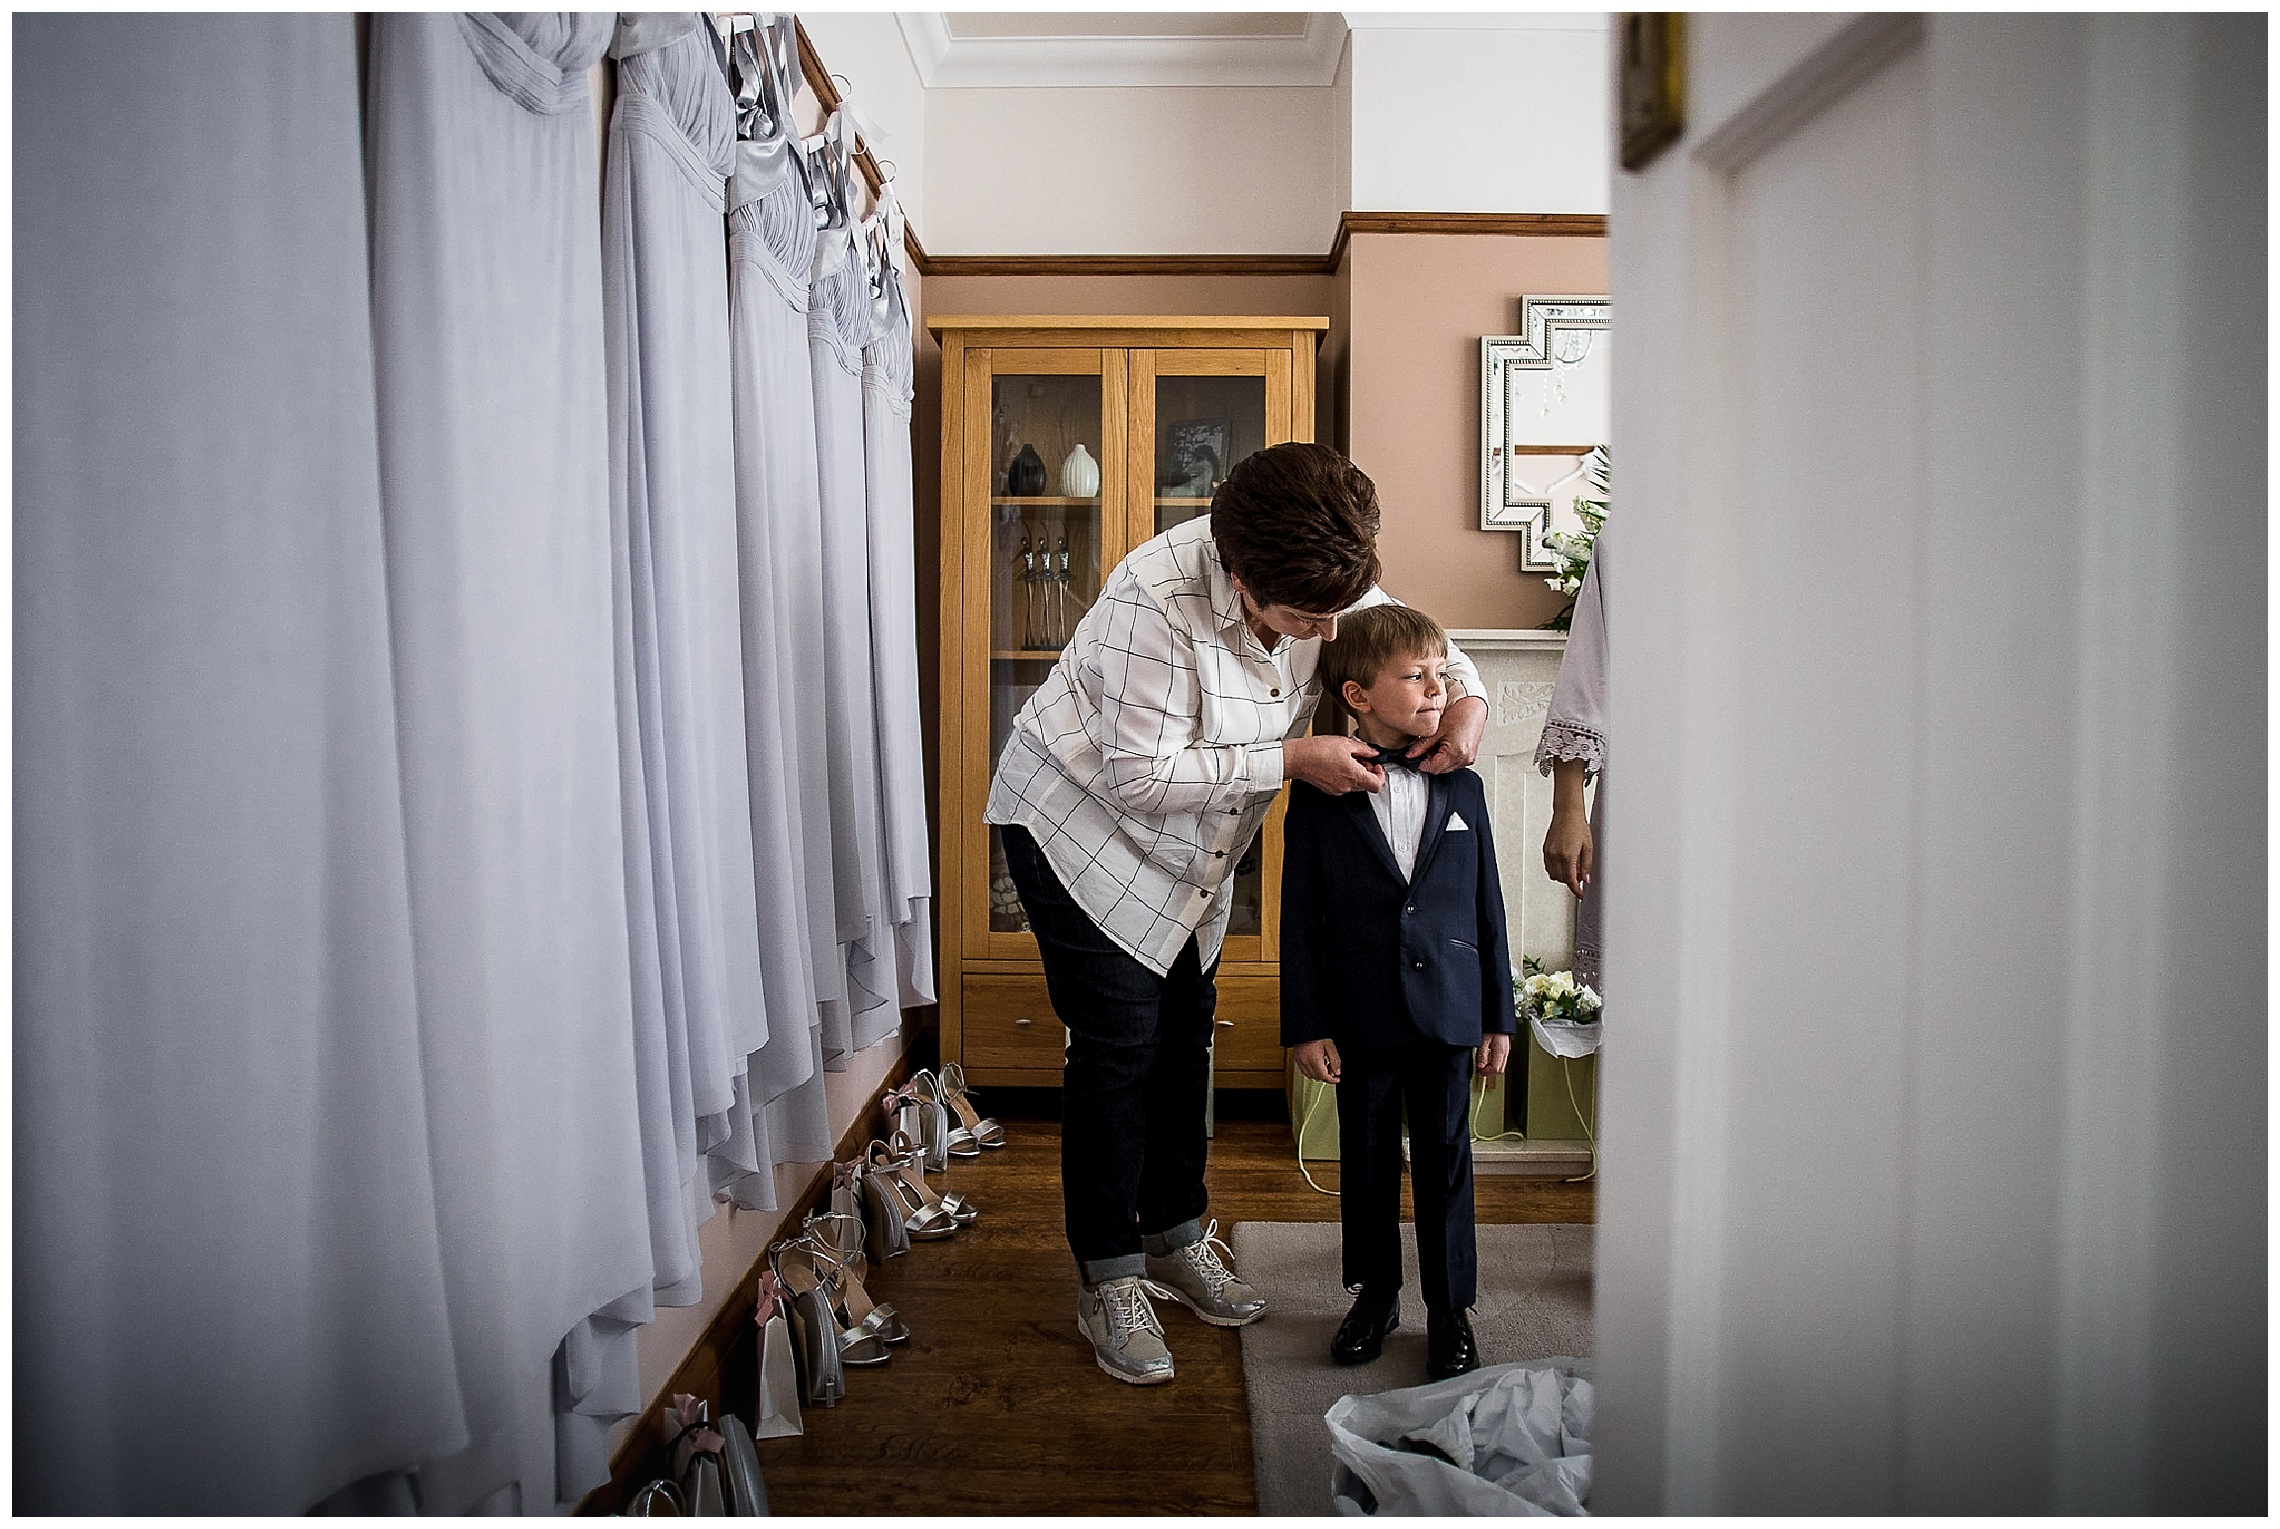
(1433, 1079)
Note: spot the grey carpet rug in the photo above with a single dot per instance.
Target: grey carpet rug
(1535, 1303)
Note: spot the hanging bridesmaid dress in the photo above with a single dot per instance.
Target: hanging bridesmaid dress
(771, 242)
(229, 1281)
(839, 323)
(698, 989)
(888, 364)
(493, 430)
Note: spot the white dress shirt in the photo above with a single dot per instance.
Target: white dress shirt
(1400, 808)
(1146, 762)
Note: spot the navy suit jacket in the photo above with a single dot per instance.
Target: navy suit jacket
(1370, 959)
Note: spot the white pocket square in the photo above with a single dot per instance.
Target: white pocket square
(1457, 824)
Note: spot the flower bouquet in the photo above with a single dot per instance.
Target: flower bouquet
(1561, 1012)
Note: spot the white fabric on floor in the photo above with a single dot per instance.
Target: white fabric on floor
(839, 323)
(771, 241)
(230, 1292)
(495, 487)
(889, 362)
(1512, 1440)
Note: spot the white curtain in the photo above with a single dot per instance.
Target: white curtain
(486, 300)
(839, 323)
(771, 243)
(889, 362)
(426, 880)
(699, 1000)
(231, 1293)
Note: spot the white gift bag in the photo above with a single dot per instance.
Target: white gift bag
(778, 1412)
(1510, 1440)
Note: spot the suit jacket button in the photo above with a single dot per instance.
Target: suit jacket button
(1412, 908)
(1418, 964)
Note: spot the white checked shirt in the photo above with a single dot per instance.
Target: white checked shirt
(1146, 762)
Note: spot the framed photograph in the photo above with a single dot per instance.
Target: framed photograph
(1546, 399)
(1191, 457)
(1651, 108)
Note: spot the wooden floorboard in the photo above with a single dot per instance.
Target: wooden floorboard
(995, 1405)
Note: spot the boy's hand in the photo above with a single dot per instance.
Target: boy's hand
(1494, 1052)
(1319, 1060)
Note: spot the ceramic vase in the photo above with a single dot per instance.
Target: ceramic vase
(1026, 473)
(1080, 474)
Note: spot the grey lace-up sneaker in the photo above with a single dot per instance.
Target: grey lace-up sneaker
(1127, 1340)
(1198, 1279)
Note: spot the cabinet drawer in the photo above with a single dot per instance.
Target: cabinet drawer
(1008, 1021)
(1249, 1033)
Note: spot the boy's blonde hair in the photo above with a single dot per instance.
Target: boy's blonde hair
(1368, 640)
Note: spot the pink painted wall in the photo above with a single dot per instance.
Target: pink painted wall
(1416, 306)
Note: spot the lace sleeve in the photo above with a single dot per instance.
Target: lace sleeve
(1564, 740)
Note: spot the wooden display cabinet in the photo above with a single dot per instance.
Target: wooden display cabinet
(1162, 406)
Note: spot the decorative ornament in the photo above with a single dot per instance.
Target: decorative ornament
(1026, 473)
(1080, 474)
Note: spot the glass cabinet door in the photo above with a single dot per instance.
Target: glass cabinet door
(1050, 420)
(1194, 415)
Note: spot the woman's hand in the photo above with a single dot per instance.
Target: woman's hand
(1457, 744)
(1567, 843)
(1332, 764)
(1494, 1052)
(1318, 1060)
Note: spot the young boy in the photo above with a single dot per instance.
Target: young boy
(1396, 982)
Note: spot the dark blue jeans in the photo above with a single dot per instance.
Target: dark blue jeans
(1135, 1083)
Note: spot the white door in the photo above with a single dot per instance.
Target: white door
(1940, 459)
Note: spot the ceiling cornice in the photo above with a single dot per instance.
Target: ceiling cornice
(944, 62)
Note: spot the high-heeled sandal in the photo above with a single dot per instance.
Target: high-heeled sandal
(883, 1211)
(916, 1110)
(891, 1174)
(960, 1207)
(841, 1232)
(982, 1132)
(944, 1139)
(802, 1268)
(856, 1311)
(816, 1366)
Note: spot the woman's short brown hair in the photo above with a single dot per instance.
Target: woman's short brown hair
(1369, 640)
(1298, 524)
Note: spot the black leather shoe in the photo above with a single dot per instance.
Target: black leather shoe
(1361, 1337)
(1450, 1348)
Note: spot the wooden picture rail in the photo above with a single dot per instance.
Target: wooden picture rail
(1535, 225)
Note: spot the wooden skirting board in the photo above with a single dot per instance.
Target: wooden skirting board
(641, 1458)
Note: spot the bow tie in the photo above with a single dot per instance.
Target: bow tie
(1399, 755)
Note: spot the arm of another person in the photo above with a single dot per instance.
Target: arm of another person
(1305, 1021)
(1574, 745)
(1464, 721)
(1497, 1021)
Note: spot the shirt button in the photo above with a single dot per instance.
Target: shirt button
(1219, 854)
(1274, 690)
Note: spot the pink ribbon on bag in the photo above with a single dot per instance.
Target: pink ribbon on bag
(770, 1297)
(691, 1412)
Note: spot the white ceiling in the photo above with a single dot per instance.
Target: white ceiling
(996, 49)
(1001, 49)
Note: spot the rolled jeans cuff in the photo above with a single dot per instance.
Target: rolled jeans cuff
(1100, 1270)
(1171, 1240)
